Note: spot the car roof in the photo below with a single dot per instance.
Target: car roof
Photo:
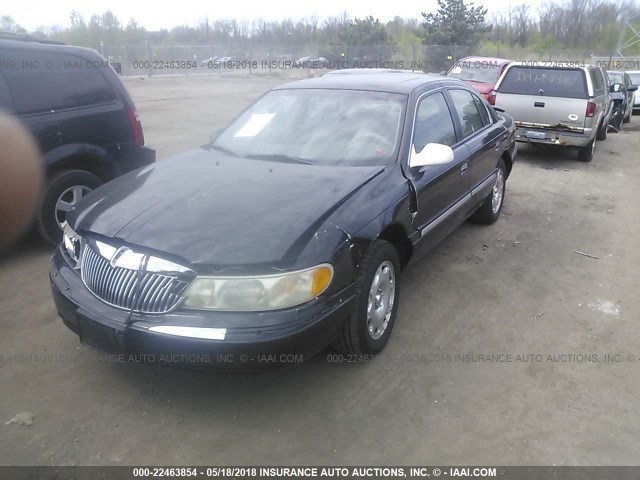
(552, 65)
(391, 82)
(45, 46)
(364, 71)
(498, 60)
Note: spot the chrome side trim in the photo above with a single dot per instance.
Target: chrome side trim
(191, 332)
(451, 211)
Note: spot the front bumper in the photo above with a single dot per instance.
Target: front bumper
(554, 137)
(279, 339)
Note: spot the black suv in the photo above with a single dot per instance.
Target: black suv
(80, 114)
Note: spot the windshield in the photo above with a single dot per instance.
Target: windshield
(326, 127)
(485, 72)
(635, 78)
(615, 77)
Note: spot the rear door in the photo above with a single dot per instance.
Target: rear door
(544, 96)
(480, 134)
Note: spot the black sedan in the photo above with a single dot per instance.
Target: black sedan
(288, 231)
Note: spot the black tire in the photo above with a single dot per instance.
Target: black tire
(486, 214)
(354, 338)
(585, 154)
(59, 183)
(601, 134)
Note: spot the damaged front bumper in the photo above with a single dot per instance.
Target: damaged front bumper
(198, 339)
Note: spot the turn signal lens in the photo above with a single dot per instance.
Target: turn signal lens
(321, 279)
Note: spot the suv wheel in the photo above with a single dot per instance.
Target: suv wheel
(585, 154)
(369, 326)
(64, 190)
(490, 210)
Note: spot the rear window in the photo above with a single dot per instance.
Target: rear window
(475, 71)
(41, 82)
(548, 82)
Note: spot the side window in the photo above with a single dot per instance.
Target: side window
(467, 111)
(44, 82)
(597, 80)
(433, 122)
(482, 109)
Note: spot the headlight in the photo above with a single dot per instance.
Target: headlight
(269, 292)
(71, 242)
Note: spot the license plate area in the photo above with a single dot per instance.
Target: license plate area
(537, 135)
(99, 336)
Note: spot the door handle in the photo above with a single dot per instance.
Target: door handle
(463, 169)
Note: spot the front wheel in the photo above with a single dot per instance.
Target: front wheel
(369, 325)
(64, 190)
(490, 210)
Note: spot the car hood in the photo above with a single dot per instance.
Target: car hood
(221, 211)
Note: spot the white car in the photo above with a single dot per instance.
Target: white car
(635, 78)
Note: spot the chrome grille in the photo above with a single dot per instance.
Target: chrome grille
(137, 290)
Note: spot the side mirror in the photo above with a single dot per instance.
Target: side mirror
(632, 88)
(616, 87)
(215, 134)
(431, 154)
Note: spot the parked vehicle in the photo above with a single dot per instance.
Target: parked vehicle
(310, 61)
(635, 79)
(83, 119)
(211, 61)
(364, 71)
(556, 105)
(622, 94)
(481, 73)
(290, 229)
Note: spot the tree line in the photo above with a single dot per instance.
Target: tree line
(587, 24)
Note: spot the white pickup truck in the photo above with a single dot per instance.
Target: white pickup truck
(558, 105)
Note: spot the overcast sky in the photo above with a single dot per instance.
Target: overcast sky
(154, 14)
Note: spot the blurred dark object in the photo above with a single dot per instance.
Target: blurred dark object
(117, 66)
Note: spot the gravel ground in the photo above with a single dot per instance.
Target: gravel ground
(498, 356)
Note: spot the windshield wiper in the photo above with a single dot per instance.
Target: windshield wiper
(279, 157)
(221, 149)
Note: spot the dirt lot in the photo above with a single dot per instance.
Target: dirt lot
(515, 288)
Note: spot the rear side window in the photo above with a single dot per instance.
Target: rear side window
(467, 111)
(41, 82)
(550, 82)
(484, 114)
(597, 80)
(433, 123)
